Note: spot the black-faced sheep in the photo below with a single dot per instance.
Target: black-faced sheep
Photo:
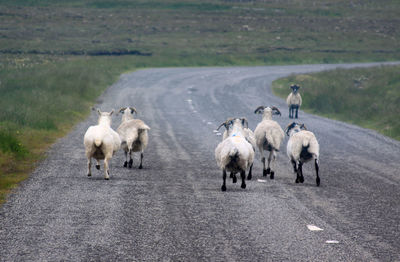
(294, 101)
(269, 136)
(235, 154)
(133, 134)
(301, 148)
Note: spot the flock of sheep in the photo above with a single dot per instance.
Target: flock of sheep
(235, 154)
(101, 141)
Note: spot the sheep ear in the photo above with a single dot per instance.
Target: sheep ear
(244, 121)
(303, 127)
(112, 112)
(96, 109)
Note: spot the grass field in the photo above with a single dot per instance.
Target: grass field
(368, 97)
(56, 57)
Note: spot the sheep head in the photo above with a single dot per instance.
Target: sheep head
(127, 113)
(295, 88)
(294, 127)
(230, 121)
(226, 123)
(131, 110)
(267, 111)
(104, 117)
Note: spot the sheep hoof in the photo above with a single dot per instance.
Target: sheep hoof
(98, 167)
(297, 180)
(234, 179)
(301, 179)
(125, 163)
(140, 167)
(243, 185)
(130, 163)
(89, 174)
(223, 188)
(272, 175)
(318, 181)
(107, 178)
(249, 177)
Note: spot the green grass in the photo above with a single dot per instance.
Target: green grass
(55, 55)
(366, 97)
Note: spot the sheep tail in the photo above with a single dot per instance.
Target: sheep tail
(234, 153)
(98, 142)
(306, 143)
(271, 141)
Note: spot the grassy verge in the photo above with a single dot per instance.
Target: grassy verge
(368, 97)
(56, 57)
(40, 103)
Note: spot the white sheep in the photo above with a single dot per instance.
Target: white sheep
(235, 154)
(294, 101)
(301, 148)
(248, 134)
(133, 134)
(101, 142)
(269, 136)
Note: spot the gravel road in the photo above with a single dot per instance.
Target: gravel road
(173, 208)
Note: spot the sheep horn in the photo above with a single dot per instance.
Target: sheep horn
(258, 109)
(223, 124)
(290, 126)
(112, 112)
(276, 109)
(133, 110)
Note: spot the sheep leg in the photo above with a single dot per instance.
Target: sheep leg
(231, 175)
(265, 171)
(234, 179)
(141, 160)
(290, 112)
(316, 170)
(126, 159)
(223, 187)
(250, 175)
(130, 159)
(271, 158)
(300, 177)
(106, 168)
(89, 165)
(98, 165)
(296, 171)
(297, 110)
(243, 176)
(294, 166)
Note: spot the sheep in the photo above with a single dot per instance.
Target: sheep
(133, 134)
(269, 136)
(301, 148)
(235, 154)
(294, 101)
(101, 142)
(248, 134)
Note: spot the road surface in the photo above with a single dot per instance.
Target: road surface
(174, 210)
